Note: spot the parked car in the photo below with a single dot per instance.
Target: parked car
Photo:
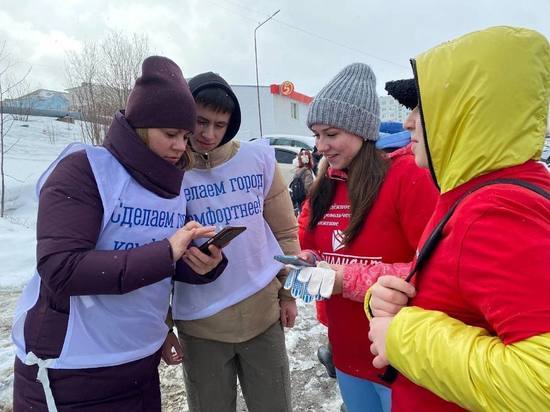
(284, 156)
(301, 142)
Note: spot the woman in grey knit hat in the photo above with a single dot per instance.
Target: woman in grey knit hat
(362, 219)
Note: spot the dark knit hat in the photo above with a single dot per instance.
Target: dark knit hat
(349, 102)
(404, 91)
(161, 97)
(210, 80)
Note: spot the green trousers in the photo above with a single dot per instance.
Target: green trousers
(261, 364)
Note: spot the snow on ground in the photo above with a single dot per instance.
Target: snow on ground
(30, 147)
(34, 145)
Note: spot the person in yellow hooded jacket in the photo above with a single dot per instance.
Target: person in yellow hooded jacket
(474, 331)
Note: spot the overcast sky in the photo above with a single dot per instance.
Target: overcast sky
(308, 41)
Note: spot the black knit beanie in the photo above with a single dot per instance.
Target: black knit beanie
(161, 97)
(404, 91)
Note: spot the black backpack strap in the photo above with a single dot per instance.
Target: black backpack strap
(390, 374)
(435, 236)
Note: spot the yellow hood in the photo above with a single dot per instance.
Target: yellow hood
(484, 99)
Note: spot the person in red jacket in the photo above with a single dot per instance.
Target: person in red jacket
(476, 333)
(364, 215)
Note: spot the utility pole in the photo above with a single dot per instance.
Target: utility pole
(256, 60)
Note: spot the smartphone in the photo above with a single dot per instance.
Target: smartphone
(292, 260)
(222, 238)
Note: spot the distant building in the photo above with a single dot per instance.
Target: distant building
(41, 102)
(391, 110)
(284, 110)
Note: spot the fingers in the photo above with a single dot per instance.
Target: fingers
(199, 258)
(380, 362)
(284, 318)
(198, 268)
(192, 225)
(201, 262)
(381, 307)
(307, 256)
(382, 313)
(373, 349)
(178, 351)
(389, 296)
(288, 312)
(206, 231)
(290, 322)
(172, 354)
(215, 253)
(398, 284)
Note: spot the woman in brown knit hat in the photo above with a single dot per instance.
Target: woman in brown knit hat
(111, 237)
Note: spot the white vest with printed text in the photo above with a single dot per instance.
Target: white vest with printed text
(232, 194)
(107, 330)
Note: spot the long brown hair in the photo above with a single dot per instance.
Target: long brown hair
(366, 174)
(186, 161)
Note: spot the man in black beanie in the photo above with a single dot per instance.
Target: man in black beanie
(234, 327)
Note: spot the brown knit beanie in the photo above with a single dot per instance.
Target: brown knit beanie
(161, 97)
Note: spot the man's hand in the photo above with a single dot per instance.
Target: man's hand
(289, 311)
(172, 352)
(377, 335)
(389, 294)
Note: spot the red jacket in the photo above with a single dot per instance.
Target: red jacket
(482, 252)
(390, 234)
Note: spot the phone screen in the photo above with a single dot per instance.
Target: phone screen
(292, 260)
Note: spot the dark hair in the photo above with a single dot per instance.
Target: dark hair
(366, 174)
(215, 98)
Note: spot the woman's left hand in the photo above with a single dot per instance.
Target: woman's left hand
(200, 262)
(377, 335)
(172, 352)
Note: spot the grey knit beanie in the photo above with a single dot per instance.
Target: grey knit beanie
(349, 102)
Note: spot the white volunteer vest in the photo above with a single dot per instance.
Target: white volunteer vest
(232, 194)
(107, 330)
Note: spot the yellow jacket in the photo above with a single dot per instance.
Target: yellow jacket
(484, 101)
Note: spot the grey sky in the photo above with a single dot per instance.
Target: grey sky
(202, 35)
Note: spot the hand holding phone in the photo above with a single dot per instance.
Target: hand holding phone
(222, 238)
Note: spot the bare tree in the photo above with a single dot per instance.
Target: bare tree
(101, 76)
(22, 103)
(122, 63)
(8, 83)
(82, 72)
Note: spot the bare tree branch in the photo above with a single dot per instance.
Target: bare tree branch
(7, 84)
(102, 76)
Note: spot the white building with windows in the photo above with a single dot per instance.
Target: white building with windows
(391, 110)
(284, 111)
